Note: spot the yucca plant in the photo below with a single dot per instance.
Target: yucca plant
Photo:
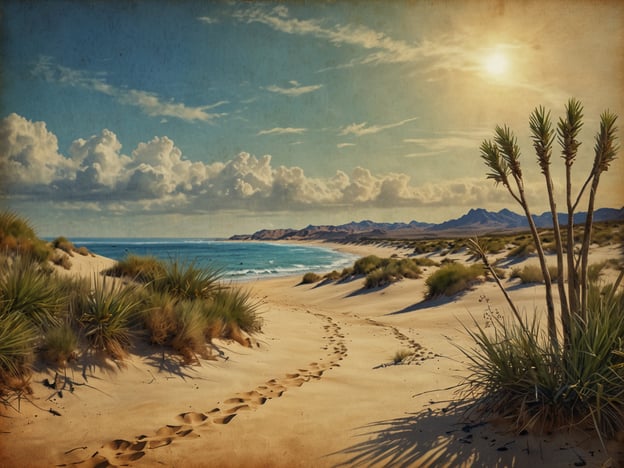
(542, 381)
(26, 289)
(107, 314)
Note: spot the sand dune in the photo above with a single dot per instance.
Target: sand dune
(318, 388)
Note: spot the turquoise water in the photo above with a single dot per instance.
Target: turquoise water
(237, 260)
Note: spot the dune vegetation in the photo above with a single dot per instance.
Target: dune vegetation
(57, 319)
(570, 372)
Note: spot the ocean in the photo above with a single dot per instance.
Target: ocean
(239, 261)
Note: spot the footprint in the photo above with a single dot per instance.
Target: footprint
(225, 419)
(231, 401)
(192, 418)
(168, 430)
(236, 409)
(157, 443)
(129, 457)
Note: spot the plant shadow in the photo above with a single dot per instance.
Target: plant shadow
(452, 436)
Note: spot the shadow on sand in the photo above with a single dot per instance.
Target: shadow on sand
(449, 437)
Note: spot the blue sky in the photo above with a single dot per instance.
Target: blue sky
(214, 118)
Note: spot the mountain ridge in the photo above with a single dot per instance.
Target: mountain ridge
(476, 220)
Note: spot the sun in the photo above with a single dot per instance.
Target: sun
(496, 64)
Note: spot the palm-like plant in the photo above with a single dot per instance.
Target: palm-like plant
(27, 289)
(107, 315)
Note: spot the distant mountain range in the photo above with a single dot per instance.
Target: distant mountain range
(476, 221)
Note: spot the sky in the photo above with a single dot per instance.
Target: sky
(208, 119)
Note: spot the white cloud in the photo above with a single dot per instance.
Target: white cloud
(29, 153)
(384, 48)
(282, 131)
(156, 178)
(207, 19)
(365, 129)
(294, 90)
(344, 145)
(150, 103)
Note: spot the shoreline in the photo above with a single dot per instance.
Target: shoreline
(317, 389)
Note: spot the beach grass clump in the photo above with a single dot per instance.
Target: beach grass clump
(189, 339)
(521, 250)
(365, 265)
(27, 289)
(529, 274)
(527, 379)
(18, 338)
(333, 275)
(310, 278)
(235, 307)
(65, 245)
(107, 316)
(61, 260)
(159, 317)
(140, 268)
(17, 237)
(451, 279)
(186, 281)
(391, 270)
(60, 344)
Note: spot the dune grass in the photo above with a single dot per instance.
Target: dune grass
(310, 278)
(26, 289)
(532, 274)
(107, 314)
(17, 237)
(538, 387)
(452, 278)
(60, 344)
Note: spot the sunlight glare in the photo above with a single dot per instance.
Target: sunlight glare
(495, 64)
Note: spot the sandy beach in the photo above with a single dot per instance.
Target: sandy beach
(317, 389)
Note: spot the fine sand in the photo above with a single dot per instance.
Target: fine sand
(318, 388)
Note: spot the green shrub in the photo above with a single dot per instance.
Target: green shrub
(189, 339)
(17, 341)
(59, 345)
(106, 317)
(528, 380)
(392, 270)
(332, 276)
(234, 307)
(159, 317)
(140, 268)
(64, 244)
(522, 250)
(26, 289)
(452, 278)
(532, 274)
(185, 281)
(310, 278)
(62, 260)
(365, 265)
(17, 236)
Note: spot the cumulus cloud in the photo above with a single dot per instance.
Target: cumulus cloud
(150, 103)
(155, 177)
(365, 129)
(208, 19)
(29, 153)
(282, 131)
(295, 89)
